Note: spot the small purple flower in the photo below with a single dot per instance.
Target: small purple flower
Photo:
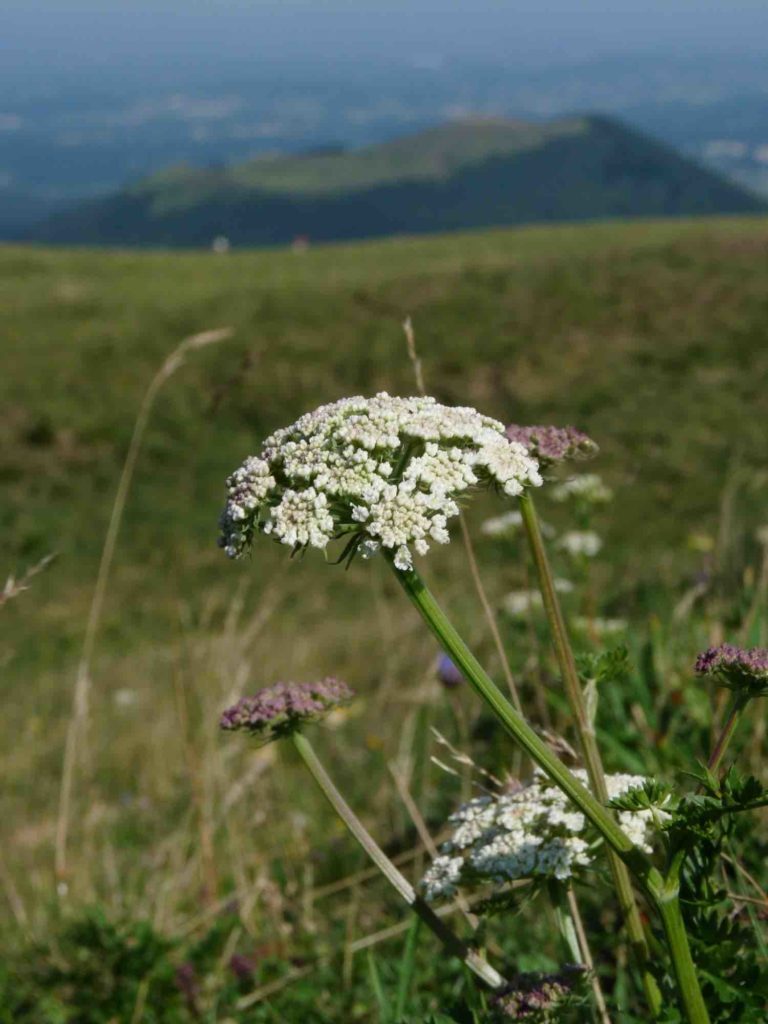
(187, 983)
(553, 444)
(243, 967)
(277, 710)
(738, 668)
(447, 672)
(534, 997)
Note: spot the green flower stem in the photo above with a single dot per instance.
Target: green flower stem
(737, 705)
(587, 740)
(398, 881)
(691, 999)
(647, 875)
(514, 723)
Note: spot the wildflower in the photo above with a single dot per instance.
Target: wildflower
(381, 472)
(553, 444)
(447, 672)
(278, 710)
(580, 543)
(508, 524)
(243, 967)
(502, 526)
(601, 627)
(536, 996)
(738, 668)
(519, 602)
(587, 488)
(533, 832)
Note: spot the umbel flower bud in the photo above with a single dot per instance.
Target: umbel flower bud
(278, 710)
(741, 669)
(553, 444)
(537, 997)
(378, 472)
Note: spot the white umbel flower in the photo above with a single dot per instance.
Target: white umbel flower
(580, 543)
(587, 488)
(382, 472)
(534, 832)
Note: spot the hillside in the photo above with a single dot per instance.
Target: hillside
(463, 175)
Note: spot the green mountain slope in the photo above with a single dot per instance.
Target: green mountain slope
(462, 175)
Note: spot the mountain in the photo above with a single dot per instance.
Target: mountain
(476, 173)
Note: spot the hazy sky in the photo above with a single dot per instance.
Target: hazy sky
(64, 34)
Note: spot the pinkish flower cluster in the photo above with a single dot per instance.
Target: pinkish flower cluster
(538, 997)
(553, 444)
(738, 668)
(277, 710)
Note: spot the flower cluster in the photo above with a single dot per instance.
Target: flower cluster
(580, 543)
(519, 602)
(738, 668)
(381, 472)
(553, 444)
(276, 710)
(502, 526)
(587, 488)
(508, 524)
(598, 626)
(537, 997)
(533, 832)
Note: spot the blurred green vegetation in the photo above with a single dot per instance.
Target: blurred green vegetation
(650, 336)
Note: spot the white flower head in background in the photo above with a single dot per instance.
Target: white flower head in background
(508, 524)
(531, 833)
(587, 488)
(505, 525)
(519, 602)
(379, 472)
(599, 626)
(580, 543)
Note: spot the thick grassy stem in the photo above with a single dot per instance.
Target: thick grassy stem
(646, 874)
(587, 741)
(399, 882)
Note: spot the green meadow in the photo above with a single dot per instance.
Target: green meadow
(650, 336)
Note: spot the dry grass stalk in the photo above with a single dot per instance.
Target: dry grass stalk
(79, 712)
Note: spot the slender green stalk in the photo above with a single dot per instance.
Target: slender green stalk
(737, 705)
(647, 875)
(399, 882)
(587, 740)
(514, 723)
(689, 992)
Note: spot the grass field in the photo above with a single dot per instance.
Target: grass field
(650, 336)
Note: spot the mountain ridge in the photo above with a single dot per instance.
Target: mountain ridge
(463, 174)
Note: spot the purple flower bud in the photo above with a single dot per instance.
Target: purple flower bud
(189, 986)
(277, 710)
(448, 674)
(553, 444)
(534, 997)
(243, 967)
(738, 668)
